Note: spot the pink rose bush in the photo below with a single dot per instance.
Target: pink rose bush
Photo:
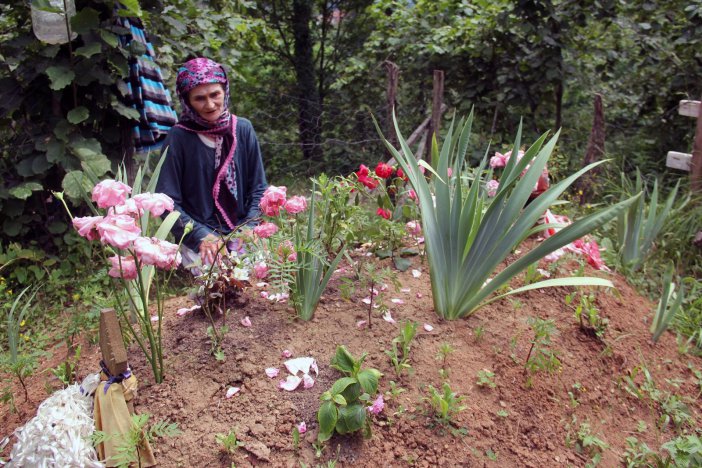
(588, 249)
(122, 229)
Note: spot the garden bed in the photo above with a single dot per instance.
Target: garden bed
(512, 424)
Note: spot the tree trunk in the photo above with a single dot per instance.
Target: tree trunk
(309, 105)
(595, 150)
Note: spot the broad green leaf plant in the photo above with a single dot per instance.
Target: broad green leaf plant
(467, 237)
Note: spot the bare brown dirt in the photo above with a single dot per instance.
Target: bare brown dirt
(511, 425)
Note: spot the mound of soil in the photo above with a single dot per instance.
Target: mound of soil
(525, 420)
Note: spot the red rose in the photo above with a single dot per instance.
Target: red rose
(383, 213)
(383, 170)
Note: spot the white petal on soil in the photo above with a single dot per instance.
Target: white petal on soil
(366, 300)
(388, 318)
(272, 372)
(405, 290)
(428, 327)
(246, 321)
(291, 383)
(262, 284)
(396, 300)
(232, 391)
(544, 273)
(185, 310)
(362, 324)
(416, 273)
(301, 364)
(307, 381)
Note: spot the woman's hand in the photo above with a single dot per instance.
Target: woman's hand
(210, 248)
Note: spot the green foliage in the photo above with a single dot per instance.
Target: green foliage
(444, 404)
(228, 441)
(129, 443)
(668, 306)
(586, 442)
(61, 109)
(313, 272)
(466, 238)
(486, 378)
(586, 313)
(399, 357)
(343, 407)
(540, 356)
(19, 361)
(639, 226)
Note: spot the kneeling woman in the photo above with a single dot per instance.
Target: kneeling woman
(213, 169)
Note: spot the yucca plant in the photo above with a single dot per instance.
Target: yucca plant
(638, 227)
(467, 237)
(313, 271)
(668, 305)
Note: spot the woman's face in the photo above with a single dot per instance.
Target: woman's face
(207, 100)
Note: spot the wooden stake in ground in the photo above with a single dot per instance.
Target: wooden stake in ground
(437, 103)
(586, 185)
(696, 166)
(114, 354)
(393, 78)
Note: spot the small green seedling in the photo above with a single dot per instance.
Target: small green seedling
(399, 357)
(486, 378)
(228, 441)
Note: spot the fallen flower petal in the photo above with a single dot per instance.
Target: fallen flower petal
(416, 273)
(246, 321)
(154, 318)
(366, 300)
(232, 391)
(264, 294)
(388, 318)
(543, 272)
(419, 295)
(378, 405)
(185, 310)
(286, 353)
(302, 427)
(290, 384)
(262, 284)
(301, 364)
(405, 290)
(272, 372)
(396, 300)
(428, 327)
(361, 324)
(307, 381)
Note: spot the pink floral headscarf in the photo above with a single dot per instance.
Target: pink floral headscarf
(194, 73)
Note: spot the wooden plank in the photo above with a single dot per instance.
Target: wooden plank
(681, 161)
(111, 344)
(689, 108)
(696, 166)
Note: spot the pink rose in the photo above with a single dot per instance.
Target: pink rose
(414, 228)
(154, 251)
(86, 226)
(296, 204)
(127, 270)
(118, 230)
(292, 257)
(273, 199)
(110, 193)
(413, 195)
(499, 160)
(362, 170)
(492, 187)
(129, 207)
(154, 203)
(449, 171)
(265, 230)
(260, 270)
(384, 213)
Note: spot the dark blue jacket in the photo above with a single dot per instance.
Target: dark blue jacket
(188, 174)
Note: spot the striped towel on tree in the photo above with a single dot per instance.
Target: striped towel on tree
(144, 90)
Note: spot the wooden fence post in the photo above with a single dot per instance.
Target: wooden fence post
(594, 152)
(436, 105)
(696, 165)
(393, 72)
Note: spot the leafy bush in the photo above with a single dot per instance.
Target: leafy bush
(343, 406)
